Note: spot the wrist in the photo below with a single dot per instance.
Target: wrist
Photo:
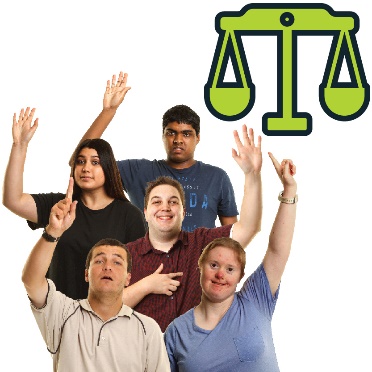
(51, 235)
(111, 110)
(288, 197)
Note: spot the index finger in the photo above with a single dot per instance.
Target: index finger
(275, 162)
(70, 188)
(174, 275)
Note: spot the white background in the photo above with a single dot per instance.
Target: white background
(57, 56)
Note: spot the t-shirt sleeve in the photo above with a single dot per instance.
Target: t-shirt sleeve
(130, 170)
(44, 203)
(125, 172)
(227, 205)
(257, 289)
(51, 317)
(170, 344)
(135, 226)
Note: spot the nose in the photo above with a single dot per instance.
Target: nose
(220, 274)
(106, 267)
(86, 168)
(166, 207)
(178, 138)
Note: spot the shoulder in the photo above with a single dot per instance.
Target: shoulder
(127, 205)
(136, 162)
(210, 167)
(149, 324)
(52, 196)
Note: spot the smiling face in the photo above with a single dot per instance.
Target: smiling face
(164, 211)
(180, 141)
(220, 274)
(108, 270)
(88, 172)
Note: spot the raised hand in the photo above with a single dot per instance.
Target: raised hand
(163, 283)
(248, 156)
(63, 213)
(23, 129)
(115, 91)
(285, 170)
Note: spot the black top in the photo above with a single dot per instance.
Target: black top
(119, 220)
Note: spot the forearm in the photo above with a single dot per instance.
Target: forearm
(249, 223)
(35, 269)
(98, 127)
(135, 293)
(13, 196)
(100, 124)
(281, 234)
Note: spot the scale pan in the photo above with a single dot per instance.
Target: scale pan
(344, 101)
(229, 101)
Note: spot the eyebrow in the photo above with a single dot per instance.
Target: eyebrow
(104, 254)
(176, 131)
(92, 156)
(159, 197)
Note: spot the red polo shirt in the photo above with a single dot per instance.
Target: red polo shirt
(183, 256)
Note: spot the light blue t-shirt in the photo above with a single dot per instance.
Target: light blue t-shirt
(242, 340)
(208, 190)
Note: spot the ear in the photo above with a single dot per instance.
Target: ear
(129, 276)
(86, 275)
(145, 213)
(198, 138)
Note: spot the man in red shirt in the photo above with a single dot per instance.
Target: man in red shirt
(165, 279)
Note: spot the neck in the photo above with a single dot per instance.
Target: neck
(208, 314)
(105, 306)
(181, 165)
(163, 241)
(95, 199)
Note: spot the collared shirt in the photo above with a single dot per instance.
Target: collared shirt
(81, 341)
(182, 256)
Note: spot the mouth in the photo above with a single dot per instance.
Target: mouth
(106, 278)
(218, 284)
(85, 178)
(164, 218)
(178, 149)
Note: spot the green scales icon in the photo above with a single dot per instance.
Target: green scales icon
(340, 100)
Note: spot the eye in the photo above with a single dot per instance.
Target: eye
(186, 134)
(98, 261)
(117, 263)
(213, 265)
(95, 162)
(174, 202)
(169, 133)
(156, 202)
(79, 161)
(230, 270)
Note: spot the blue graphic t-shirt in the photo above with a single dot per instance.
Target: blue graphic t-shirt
(208, 190)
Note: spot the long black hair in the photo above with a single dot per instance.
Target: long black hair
(113, 185)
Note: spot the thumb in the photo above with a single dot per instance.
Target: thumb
(276, 164)
(159, 269)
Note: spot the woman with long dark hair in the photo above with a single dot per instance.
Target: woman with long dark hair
(102, 211)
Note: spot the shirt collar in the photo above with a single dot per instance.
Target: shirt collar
(124, 311)
(146, 246)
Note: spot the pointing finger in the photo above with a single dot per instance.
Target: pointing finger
(70, 188)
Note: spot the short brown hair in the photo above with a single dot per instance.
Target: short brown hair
(112, 243)
(225, 243)
(165, 180)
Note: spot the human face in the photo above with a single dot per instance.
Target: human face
(180, 141)
(164, 211)
(220, 274)
(108, 270)
(88, 172)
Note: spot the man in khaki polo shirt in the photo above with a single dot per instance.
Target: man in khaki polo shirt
(99, 333)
